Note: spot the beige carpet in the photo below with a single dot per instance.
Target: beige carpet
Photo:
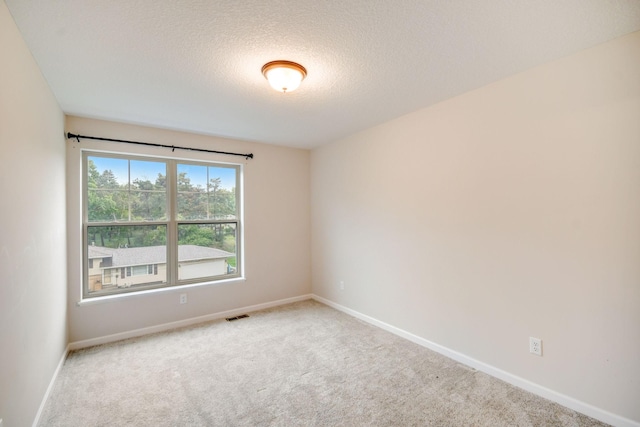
(303, 364)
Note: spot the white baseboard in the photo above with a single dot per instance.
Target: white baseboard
(50, 387)
(182, 323)
(554, 396)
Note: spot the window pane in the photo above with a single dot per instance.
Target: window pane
(192, 192)
(192, 205)
(206, 192)
(125, 190)
(222, 191)
(148, 205)
(148, 190)
(107, 205)
(107, 173)
(139, 270)
(124, 252)
(206, 250)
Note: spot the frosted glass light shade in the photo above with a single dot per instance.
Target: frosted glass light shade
(284, 76)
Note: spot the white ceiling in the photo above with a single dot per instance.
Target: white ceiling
(194, 65)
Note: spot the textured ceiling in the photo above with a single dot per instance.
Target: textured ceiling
(194, 65)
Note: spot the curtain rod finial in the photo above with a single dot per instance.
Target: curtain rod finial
(71, 135)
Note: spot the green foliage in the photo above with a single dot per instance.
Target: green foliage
(155, 237)
(220, 236)
(229, 243)
(193, 234)
(118, 236)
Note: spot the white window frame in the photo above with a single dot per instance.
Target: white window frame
(172, 223)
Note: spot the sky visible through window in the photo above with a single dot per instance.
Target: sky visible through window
(149, 170)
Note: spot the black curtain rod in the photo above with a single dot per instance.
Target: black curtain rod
(173, 147)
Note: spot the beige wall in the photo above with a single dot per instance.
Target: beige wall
(33, 285)
(510, 211)
(276, 230)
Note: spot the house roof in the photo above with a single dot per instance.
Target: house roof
(99, 252)
(124, 257)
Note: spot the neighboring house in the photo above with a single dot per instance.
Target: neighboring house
(125, 267)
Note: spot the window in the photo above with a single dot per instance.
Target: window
(154, 222)
(139, 270)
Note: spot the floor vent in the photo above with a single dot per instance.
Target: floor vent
(242, 316)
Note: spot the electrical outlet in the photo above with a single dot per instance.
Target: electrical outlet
(341, 285)
(0, 422)
(183, 298)
(535, 346)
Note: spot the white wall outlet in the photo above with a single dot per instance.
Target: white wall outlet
(0, 422)
(183, 298)
(535, 346)
(341, 284)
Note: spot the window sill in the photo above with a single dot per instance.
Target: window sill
(173, 289)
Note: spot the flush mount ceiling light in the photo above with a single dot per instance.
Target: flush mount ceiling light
(284, 76)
